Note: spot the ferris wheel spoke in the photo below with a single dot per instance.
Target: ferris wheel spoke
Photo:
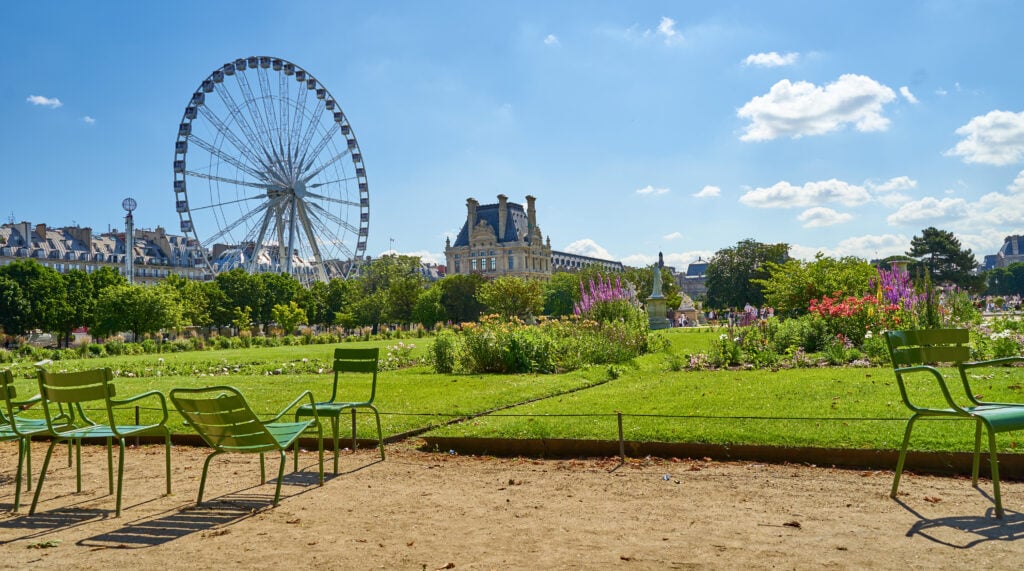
(230, 135)
(233, 161)
(258, 242)
(295, 132)
(307, 227)
(254, 108)
(242, 219)
(282, 93)
(323, 142)
(260, 185)
(328, 215)
(329, 235)
(337, 180)
(332, 199)
(230, 202)
(243, 123)
(330, 162)
(268, 99)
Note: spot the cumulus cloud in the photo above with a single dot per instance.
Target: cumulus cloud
(667, 30)
(88, 120)
(784, 195)
(928, 208)
(588, 247)
(819, 217)
(771, 59)
(803, 108)
(552, 40)
(709, 192)
(995, 209)
(639, 260)
(672, 236)
(873, 246)
(1018, 183)
(905, 92)
(51, 102)
(650, 190)
(993, 139)
(895, 183)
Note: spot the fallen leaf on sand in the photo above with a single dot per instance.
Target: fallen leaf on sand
(793, 523)
(932, 499)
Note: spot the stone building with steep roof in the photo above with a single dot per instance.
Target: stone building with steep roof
(500, 239)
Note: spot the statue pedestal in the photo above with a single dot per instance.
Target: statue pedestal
(656, 310)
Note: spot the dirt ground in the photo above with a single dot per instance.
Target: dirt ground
(420, 510)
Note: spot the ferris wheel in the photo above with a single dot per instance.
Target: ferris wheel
(268, 175)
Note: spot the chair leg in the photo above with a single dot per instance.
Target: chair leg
(167, 454)
(263, 472)
(320, 448)
(353, 430)
(334, 432)
(994, 461)
(23, 447)
(206, 469)
(42, 476)
(903, 456)
(28, 464)
(380, 433)
(120, 475)
(280, 477)
(977, 453)
(110, 465)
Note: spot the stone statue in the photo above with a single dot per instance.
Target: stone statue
(656, 291)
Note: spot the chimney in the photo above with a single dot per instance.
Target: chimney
(531, 211)
(41, 231)
(471, 205)
(502, 215)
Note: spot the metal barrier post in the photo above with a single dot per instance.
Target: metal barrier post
(622, 442)
(136, 424)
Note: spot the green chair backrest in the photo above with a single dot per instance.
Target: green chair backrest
(923, 346)
(8, 393)
(73, 389)
(223, 419)
(349, 360)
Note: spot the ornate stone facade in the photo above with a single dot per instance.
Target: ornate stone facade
(500, 239)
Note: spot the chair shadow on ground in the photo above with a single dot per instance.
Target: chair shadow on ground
(965, 532)
(212, 516)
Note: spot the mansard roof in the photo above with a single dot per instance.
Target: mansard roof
(516, 226)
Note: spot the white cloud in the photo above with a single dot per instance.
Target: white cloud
(89, 120)
(649, 189)
(993, 139)
(996, 209)
(905, 92)
(672, 236)
(709, 192)
(667, 30)
(819, 217)
(895, 183)
(771, 59)
(929, 208)
(588, 247)
(802, 108)
(873, 246)
(784, 195)
(552, 40)
(639, 260)
(893, 199)
(1018, 183)
(51, 102)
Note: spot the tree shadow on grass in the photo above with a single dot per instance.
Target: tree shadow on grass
(965, 532)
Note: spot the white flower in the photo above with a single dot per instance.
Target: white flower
(868, 335)
(723, 337)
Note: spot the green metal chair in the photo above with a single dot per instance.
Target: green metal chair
(18, 428)
(225, 422)
(917, 352)
(63, 396)
(348, 360)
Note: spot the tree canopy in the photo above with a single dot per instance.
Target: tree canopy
(734, 274)
(790, 286)
(939, 252)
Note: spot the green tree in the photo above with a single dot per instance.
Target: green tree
(428, 310)
(79, 306)
(104, 277)
(511, 296)
(940, 253)
(193, 299)
(44, 291)
(562, 291)
(313, 300)
(732, 272)
(459, 297)
(14, 308)
(388, 288)
(242, 290)
(790, 286)
(277, 289)
(642, 280)
(137, 309)
(288, 316)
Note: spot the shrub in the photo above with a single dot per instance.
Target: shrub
(149, 346)
(444, 353)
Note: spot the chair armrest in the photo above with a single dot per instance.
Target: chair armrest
(159, 395)
(963, 367)
(942, 386)
(304, 395)
(25, 404)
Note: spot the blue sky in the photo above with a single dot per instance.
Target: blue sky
(682, 127)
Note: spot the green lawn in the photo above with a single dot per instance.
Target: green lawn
(827, 407)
